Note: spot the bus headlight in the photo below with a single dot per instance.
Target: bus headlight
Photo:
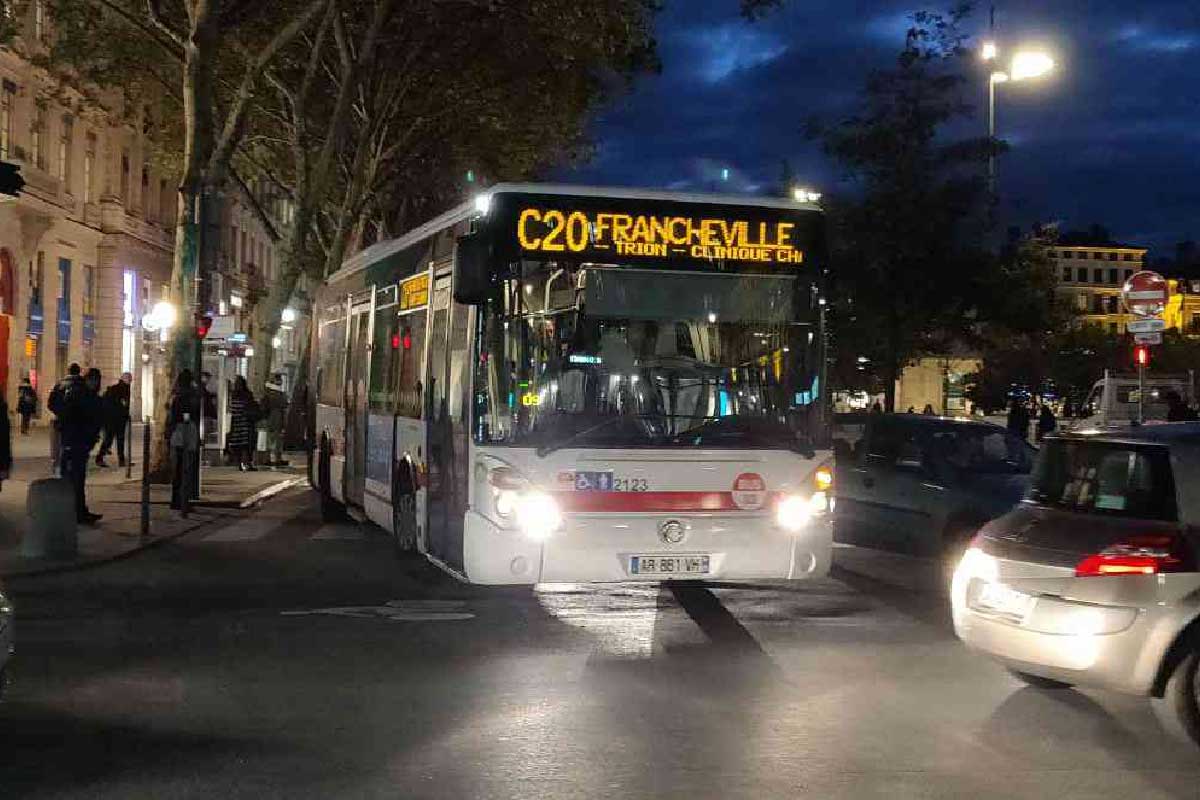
(537, 514)
(795, 511)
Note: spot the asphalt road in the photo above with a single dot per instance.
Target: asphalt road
(280, 657)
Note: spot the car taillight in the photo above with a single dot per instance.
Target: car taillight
(1139, 555)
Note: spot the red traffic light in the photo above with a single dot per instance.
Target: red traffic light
(203, 324)
(1141, 355)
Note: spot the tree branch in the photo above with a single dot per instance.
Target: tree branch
(154, 13)
(260, 214)
(170, 45)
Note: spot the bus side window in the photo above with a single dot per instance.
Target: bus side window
(411, 356)
(331, 359)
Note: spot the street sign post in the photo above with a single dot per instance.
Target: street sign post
(1145, 296)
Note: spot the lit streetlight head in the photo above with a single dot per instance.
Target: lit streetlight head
(999, 77)
(988, 52)
(802, 195)
(1030, 64)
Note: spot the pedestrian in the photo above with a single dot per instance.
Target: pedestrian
(911, 410)
(876, 408)
(78, 413)
(1177, 410)
(74, 374)
(116, 418)
(243, 414)
(1046, 422)
(274, 410)
(1018, 420)
(208, 403)
(183, 434)
(26, 404)
(5, 442)
(928, 410)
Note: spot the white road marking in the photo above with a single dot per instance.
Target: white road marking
(396, 611)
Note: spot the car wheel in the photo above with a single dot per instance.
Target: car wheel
(1037, 681)
(1179, 707)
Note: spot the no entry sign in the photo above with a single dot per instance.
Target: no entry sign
(1145, 294)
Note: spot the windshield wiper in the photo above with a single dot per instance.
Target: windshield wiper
(547, 449)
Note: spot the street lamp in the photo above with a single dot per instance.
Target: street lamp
(161, 318)
(1026, 64)
(803, 195)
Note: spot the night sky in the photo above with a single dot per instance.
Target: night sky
(1111, 137)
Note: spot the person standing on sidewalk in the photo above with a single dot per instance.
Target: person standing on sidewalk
(243, 414)
(274, 409)
(26, 404)
(116, 417)
(76, 404)
(183, 433)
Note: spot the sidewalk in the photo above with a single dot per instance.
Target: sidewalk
(223, 491)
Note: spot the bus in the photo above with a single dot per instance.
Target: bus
(574, 384)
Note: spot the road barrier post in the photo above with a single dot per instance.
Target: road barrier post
(145, 529)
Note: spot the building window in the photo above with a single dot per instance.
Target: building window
(37, 128)
(1098, 276)
(37, 279)
(1081, 300)
(1098, 304)
(89, 290)
(1112, 304)
(1066, 273)
(1112, 256)
(1113, 276)
(89, 166)
(39, 20)
(146, 199)
(1127, 257)
(164, 203)
(1067, 254)
(1082, 275)
(8, 99)
(125, 178)
(65, 140)
(1097, 256)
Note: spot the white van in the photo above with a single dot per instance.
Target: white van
(1114, 398)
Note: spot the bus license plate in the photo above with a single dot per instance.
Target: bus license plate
(668, 565)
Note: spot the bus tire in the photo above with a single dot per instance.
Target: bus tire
(404, 511)
(331, 510)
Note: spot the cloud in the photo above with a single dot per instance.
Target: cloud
(1155, 41)
(729, 48)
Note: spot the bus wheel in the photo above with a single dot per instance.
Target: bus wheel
(331, 511)
(404, 523)
(404, 512)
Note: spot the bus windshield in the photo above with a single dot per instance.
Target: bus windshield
(613, 357)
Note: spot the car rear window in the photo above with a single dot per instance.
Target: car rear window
(1105, 478)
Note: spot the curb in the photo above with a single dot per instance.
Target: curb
(78, 566)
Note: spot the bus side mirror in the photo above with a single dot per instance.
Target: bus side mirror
(473, 280)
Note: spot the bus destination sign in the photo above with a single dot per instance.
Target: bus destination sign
(743, 234)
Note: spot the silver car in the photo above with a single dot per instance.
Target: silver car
(6, 637)
(1095, 578)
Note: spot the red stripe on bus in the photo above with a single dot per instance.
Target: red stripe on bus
(648, 501)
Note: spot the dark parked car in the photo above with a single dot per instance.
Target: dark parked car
(924, 485)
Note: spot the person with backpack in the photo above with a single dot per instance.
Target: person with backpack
(78, 412)
(243, 413)
(116, 417)
(26, 404)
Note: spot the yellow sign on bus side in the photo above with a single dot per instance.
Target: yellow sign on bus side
(414, 292)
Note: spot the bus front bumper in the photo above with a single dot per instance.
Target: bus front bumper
(603, 547)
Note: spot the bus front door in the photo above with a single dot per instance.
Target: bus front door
(358, 379)
(447, 412)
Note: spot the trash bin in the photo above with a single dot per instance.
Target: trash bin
(53, 531)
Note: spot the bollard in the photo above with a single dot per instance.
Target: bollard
(129, 448)
(145, 529)
(53, 529)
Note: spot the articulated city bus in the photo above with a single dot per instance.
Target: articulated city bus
(559, 383)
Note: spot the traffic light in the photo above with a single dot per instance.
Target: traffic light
(1141, 355)
(203, 324)
(11, 181)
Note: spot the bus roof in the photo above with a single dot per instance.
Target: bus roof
(477, 205)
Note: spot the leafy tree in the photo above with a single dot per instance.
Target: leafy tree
(907, 239)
